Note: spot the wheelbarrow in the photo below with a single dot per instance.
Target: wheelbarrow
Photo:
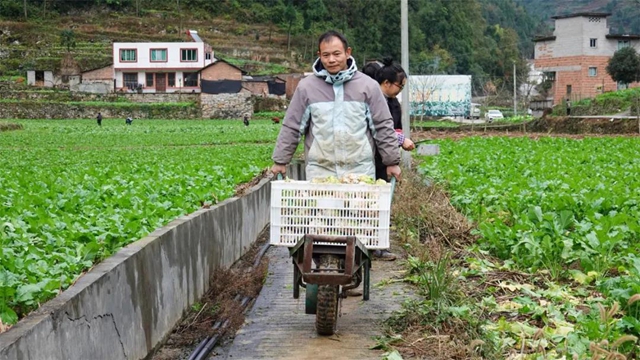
(330, 230)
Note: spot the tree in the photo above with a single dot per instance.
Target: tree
(624, 66)
(290, 17)
(68, 39)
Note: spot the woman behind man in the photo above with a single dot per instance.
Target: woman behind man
(392, 79)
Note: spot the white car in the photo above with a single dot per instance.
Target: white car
(493, 115)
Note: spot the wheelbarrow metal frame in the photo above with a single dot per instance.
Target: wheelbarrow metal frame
(357, 263)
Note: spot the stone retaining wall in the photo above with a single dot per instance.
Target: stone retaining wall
(65, 96)
(226, 106)
(39, 110)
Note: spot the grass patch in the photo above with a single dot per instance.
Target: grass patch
(435, 124)
(610, 103)
(514, 119)
(12, 78)
(269, 115)
(258, 67)
(442, 323)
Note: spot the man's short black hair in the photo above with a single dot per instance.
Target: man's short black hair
(331, 34)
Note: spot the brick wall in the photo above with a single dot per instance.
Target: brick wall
(256, 87)
(221, 71)
(292, 83)
(99, 75)
(574, 71)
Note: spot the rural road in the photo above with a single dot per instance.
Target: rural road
(277, 327)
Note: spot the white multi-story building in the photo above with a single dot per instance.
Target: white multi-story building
(162, 66)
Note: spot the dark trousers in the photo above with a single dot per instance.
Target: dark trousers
(381, 169)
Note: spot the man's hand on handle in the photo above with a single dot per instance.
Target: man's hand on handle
(279, 169)
(394, 170)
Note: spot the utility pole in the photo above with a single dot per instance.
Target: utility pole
(404, 34)
(515, 109)
(638, 111)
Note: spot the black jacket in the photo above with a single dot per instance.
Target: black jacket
(396, 112)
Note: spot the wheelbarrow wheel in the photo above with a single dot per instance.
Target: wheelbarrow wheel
(327, 304)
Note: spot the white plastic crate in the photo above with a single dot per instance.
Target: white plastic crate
(301, 207)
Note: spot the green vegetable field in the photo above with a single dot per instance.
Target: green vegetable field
(564, 211)
(73, 193)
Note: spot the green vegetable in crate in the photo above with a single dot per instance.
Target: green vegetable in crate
(349, 179)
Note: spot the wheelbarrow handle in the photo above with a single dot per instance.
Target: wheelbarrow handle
(393, 186)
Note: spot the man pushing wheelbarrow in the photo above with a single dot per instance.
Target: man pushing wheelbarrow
(332, 221)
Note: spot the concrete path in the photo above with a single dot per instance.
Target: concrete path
(277, 327)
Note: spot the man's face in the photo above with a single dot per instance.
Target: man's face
(333, 55)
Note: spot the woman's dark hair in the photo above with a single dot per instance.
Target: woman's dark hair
(390, 71)
(371, 69)
(331, 34)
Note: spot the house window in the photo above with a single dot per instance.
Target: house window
(149, 79)
(568, 89)
(593, 43)
(159, 55)
(207, 56)
(128, 55)
(190, 79)
(593, 71)
(550, 75)
(623, 44)
(130, 80)
(171, 79)
(189, 55)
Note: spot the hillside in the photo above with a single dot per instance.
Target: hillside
(37, 44)
(625, 13)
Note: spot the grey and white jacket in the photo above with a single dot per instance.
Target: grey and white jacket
(343, 117)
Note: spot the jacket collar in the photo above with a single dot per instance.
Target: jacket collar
(339, 78)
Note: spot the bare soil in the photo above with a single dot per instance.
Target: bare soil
(220, 303)
(9, 127)
(243, 188)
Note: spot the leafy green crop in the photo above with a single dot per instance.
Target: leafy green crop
(73, 193)
(566, 211)
(547, 203)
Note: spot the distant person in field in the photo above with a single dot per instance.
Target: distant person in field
(99, 118)
(129, 121)
(246, 120)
